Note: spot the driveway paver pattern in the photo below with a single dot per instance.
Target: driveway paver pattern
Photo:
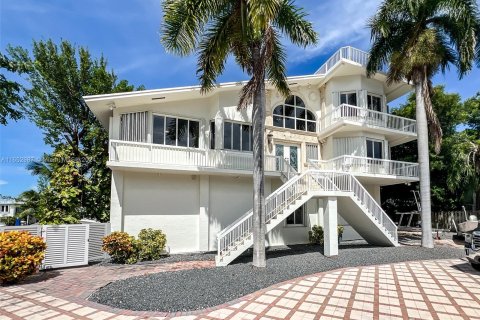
(441, 289)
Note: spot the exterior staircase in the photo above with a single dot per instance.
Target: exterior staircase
(355, 204)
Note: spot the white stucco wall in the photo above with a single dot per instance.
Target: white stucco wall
(167, 202)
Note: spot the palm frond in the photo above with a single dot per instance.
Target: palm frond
(215, 47)
(184, 21)
(434, 126)
(292, 23)
(262, 12)
(275, 64)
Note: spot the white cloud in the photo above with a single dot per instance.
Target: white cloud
(337, 23)
(3, 182)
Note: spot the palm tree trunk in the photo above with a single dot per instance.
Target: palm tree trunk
(424, 163)
(258, 121)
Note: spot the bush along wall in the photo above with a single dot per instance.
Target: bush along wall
(124, 248)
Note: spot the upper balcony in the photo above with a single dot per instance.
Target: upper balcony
(366, 169)
(346, 118)
(146, 156)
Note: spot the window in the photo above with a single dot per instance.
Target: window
(176, 131)
(237, 136)
(374, 103)
(212, 134)
(134, 126)
(349, 98)
(374, 149)
(297, 217)
(4, 209)
(312, 151)
(293, 115)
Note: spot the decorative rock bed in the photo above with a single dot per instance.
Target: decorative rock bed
(203, 288)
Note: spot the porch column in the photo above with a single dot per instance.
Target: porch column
(330, 237)
(320, 211)
(203, 219)
(218, 133)
(116, 201)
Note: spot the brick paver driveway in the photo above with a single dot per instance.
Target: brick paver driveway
(442, 289)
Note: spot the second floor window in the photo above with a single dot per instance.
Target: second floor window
(293, 115)
(349, 98)
(374, 103)
(237, 136)
(175, 131)
(374, 149)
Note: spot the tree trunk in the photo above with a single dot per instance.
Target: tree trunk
(424, 163)
(258, 121)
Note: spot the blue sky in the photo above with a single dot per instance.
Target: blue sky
(126, 32)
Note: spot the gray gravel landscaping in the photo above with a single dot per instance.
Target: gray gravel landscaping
(190, 290)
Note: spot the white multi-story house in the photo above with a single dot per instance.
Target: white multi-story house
(182, 161)
(8, 207)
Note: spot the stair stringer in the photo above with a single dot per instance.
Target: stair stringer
(365, 224)
(247, 242)
(382, 237)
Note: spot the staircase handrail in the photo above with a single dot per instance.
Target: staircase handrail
(246, 215)
(353, 185)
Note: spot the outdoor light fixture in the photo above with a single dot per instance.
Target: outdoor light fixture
(270, 138)
(111, 106)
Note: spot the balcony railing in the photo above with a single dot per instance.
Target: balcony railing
(157, 154)
(367, 117)
(347, 53)
(363, 165)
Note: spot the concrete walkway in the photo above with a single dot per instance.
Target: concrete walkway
(442, 289)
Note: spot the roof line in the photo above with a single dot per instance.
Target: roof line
(185, 88)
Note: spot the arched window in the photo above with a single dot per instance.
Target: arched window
(293, 115)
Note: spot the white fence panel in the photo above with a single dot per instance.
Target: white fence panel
(95, 240)
(34, 230)
(68, 245)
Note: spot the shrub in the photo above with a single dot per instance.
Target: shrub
(340, 231)
(20, 255)
(151, 244)
(8, 221)
(121, 247)
(315, 236)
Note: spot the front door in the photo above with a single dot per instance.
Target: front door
(290, 153)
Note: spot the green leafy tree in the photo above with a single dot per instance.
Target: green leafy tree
(59, 76)
(10, 91)
(452, 113)
(250, 31)
(417, 39)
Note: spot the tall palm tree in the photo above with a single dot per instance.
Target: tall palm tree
(418, 38)
(250, 30)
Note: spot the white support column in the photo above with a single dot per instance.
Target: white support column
(203, 219)
(116, 201)
(218, 133)
(320, 211)
(330, 227)
(115, 134)
(150, 127)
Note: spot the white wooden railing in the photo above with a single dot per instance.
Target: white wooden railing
(368, 117)
(279, 201)
(366, 165)
(347, 53)
(149, 153)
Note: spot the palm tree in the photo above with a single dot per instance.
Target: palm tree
(418, 38)
(250, 31)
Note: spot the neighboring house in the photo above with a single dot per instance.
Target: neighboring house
(182, 161)
(8, 207)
